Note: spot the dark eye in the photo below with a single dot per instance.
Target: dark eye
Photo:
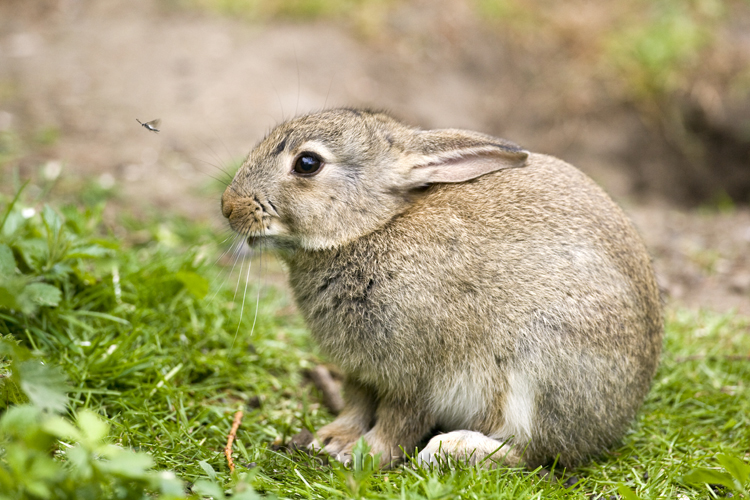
(307, 164)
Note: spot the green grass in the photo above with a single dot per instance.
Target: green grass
(149, 344)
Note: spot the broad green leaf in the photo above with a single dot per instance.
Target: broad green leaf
(39, 489)
(8, 298)
(736, 467)
(61, 269)
(12, 349)
(17, 420)
(88, 252)
(93, 428)
(6, 482)
(129, 464)
(627, 493)
(11, 284)
(196, 284)
(43, 294)
(13, 221)
(43, 467)
(7, 261)
(208, 489)
(43, 385)
(248, 494)
(52, 221)
(33, 251)
(14, 294)
(110, 450)
(107, 244)
(81, 459)
(701, 476)
(170, 485)
(208, 469)
(61, 429)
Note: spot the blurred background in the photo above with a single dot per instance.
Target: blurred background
(649, 97)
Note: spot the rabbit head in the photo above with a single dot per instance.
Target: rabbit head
(324, 179)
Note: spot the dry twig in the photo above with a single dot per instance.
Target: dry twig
(230, 439)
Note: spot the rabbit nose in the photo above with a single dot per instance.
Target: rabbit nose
(226, 204)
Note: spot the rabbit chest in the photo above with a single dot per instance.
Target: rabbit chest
(363, 311)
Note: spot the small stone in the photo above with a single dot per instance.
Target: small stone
(572, 481)
(546, 474)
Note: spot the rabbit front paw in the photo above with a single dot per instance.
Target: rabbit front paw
(335, 437)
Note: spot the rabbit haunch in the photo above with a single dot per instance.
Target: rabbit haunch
(461, 283)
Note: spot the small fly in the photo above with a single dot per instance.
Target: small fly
(152, 125)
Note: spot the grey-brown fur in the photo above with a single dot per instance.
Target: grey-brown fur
(448, 271)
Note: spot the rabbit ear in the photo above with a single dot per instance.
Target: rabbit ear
(449, 156)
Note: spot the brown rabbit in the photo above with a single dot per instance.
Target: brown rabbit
(460, 282)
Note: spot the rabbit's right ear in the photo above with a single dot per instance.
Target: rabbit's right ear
(450, 156)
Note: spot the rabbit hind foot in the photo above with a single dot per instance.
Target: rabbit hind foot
(470, 447)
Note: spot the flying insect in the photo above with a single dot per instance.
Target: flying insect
(152, 125)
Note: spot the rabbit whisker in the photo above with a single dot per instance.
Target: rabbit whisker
(226, 177)
(234, 237)
(281, 106)
(226, 275)
(242, 260)
(244, 295)
(260, 275)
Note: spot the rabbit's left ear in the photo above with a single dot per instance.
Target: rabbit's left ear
(449, 156)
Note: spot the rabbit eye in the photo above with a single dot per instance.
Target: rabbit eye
(307, 164)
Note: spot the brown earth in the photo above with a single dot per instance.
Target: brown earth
(86, 70)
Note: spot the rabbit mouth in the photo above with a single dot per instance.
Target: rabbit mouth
(271, 242)
(266, 235)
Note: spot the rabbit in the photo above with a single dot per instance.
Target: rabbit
(462, 284)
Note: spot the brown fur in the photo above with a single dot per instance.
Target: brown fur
(429, 288)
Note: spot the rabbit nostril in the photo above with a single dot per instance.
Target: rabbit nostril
(226, 208)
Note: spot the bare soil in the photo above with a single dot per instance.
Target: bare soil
(87, 70)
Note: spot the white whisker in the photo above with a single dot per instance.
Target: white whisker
(225, 252)
(281, 106)
(226, 275)
(260, 274)
(325, 104)
(244, 294)
(239, 277)
(296, 60)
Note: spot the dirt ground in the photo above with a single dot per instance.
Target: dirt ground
(86, 70)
